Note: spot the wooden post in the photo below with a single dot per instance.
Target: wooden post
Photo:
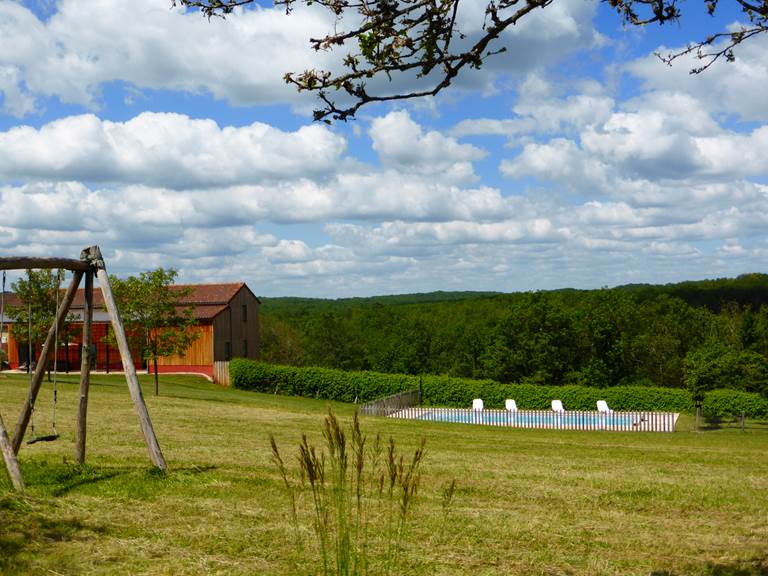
(11, 464)
(24, 262)
(42, 363)
(698, 414)
(85, 369)
(93, 254)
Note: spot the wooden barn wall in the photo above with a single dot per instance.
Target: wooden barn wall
(12, 348)
(105, 357)
(199, 353)
(230, 327)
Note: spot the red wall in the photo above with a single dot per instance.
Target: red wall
(107, 356)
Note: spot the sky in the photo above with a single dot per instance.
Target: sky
(574, 159)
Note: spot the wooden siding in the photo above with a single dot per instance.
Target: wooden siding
(104, 357)
(221, 373)
(229, 326)
(11, 348)
(199, 353)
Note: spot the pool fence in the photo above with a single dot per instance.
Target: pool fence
(532, 419)
(391, 404)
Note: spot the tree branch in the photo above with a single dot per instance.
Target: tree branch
(397, 37)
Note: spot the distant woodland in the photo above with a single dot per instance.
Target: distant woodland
(699, 335)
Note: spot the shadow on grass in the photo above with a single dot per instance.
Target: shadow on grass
(194, 469)
(753, 567)
(26, 528)
(61, 479)
(84, 480)
(732, 424)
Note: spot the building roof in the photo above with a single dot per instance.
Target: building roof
(209, 300)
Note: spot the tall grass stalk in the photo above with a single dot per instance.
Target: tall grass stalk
(355, 498)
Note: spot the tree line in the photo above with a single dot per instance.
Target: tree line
(698, 335)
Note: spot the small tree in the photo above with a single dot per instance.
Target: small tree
(714, 366)
(154, 314)
(37, 309)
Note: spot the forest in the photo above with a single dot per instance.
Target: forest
(698, 335)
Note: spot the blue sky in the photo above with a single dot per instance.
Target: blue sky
(575, 159)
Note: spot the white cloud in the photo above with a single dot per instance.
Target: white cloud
(15, 99)
(288, 251)
(170, 150)
(541, 37)
(539, 111)
(402, 144)
(729, 88)
(74, 52)
(660, 148)
(241, 59)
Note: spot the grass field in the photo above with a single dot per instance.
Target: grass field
(527, 502)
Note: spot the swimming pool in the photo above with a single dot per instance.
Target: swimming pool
(547, 419)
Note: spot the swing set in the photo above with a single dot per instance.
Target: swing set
(90, 265)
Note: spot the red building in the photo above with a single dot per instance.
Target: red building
(227, 322)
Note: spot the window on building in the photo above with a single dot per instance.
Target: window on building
(227, 350)
(245, 348)
(245, 312)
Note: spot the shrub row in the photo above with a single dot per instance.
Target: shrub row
(733, 403)
(458, 392)
(325, 383)
(330, 384)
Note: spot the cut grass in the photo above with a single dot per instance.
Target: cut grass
(526, 501)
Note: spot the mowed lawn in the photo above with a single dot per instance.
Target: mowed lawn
(526, 502)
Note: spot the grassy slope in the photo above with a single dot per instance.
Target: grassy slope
(528, 502)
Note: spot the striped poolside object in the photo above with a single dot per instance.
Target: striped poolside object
(546, 419)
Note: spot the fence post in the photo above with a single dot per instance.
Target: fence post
(698, 414)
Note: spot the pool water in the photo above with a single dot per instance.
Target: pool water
(532, 419)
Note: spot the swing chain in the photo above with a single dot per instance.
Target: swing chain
(54, 435)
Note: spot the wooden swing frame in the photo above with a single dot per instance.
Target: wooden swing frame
(90, 264)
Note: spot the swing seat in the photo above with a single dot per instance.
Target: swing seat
(47, 438)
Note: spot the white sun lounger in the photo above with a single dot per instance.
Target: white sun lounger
(477, 404)
(602, 406)
(511, 405)
(557, 406)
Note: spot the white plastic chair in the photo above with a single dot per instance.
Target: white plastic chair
(557, 406)
(511, 405)
(602, 406)
(477, 404)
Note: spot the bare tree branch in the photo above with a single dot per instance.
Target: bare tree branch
(732, 39)
(401, 37)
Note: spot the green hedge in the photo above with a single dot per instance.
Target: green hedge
(732, 403)
(344, 386)
(325, 383)
(443, 391)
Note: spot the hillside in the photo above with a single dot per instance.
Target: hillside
(713, 331)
